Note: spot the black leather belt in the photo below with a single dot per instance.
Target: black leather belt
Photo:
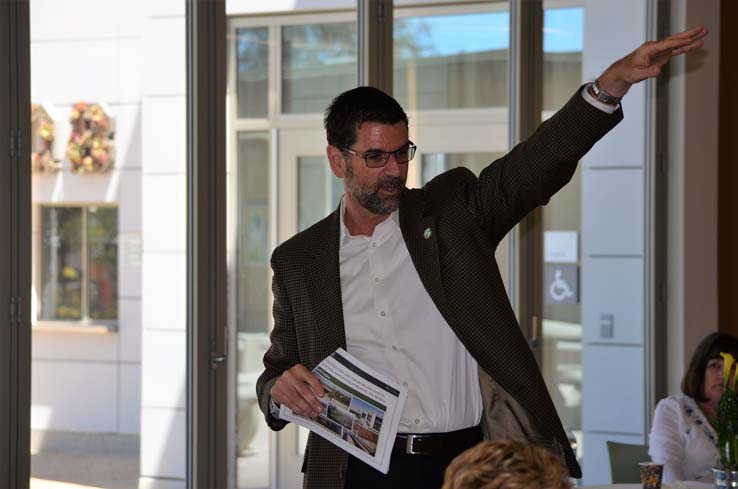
(437, 443)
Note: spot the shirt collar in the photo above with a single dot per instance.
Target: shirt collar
(346, 235)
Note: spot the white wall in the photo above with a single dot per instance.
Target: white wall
(163, 397)
(86, 381)
(614, 244)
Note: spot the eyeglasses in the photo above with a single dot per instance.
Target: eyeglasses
(377, 159)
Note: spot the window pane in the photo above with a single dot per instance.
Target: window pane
(253, 68)
(61, 263)
(319, 190)
(562, 54)
(250, 299)
(102, 256)
(451, 61)
(436, 163)
(253, 232)
(318, 62)
(562, 311)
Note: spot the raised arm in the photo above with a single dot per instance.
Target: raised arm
(534, 170)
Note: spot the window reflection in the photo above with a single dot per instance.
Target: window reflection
(61, 263)
(252, 49)
(562, 326)
(436, 163)
(451, 61)
(102, 256)
(253, 232)
(319, 190)
(562, 54)
(318, 62)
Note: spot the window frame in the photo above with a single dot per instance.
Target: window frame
(15, 244)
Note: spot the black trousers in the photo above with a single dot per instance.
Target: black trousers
(405, 471)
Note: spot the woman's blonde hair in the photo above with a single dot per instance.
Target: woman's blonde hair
(506, 464)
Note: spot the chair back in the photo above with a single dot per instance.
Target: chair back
(624, 460)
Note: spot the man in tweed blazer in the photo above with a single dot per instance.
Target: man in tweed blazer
(406, 280)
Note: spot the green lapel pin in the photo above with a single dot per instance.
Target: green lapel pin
(427, 233)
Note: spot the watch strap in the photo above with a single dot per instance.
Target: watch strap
(601, 95)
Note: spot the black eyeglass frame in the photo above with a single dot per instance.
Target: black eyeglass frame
(411, 148)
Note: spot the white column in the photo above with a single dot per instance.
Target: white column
(163, 395)
(613, 251)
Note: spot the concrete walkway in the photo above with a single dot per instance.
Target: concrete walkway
(67, 460)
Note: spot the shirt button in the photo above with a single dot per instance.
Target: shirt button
(382, 314)
(404, 384)
(394, 347)
(376, 279)
(417, 421)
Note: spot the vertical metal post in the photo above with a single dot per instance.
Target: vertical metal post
(375, 18)
(526, 104)
(207, 454)
(15, 244)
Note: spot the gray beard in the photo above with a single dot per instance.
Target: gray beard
(368, 196)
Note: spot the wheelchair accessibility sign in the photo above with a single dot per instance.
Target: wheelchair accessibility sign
(561, 283)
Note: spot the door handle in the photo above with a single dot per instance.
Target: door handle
(219, 358)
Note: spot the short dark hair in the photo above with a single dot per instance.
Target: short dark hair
(710, 347)
(349, 110)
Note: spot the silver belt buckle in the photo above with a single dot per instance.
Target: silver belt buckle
(409, 446)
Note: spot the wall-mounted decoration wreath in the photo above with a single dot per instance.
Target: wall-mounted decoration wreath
(90, 147)
(43, 134)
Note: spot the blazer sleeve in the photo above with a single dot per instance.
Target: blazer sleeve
(525, 178)
(665, 444)
(282, 353)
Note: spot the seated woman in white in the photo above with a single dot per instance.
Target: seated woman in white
(682, 436)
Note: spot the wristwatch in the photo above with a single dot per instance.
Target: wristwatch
(602, 96)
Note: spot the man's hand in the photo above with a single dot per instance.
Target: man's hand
(648, 59)
(298, 389)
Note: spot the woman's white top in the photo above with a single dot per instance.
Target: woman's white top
(683, 440)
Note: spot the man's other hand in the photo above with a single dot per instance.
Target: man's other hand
(298, 389)
(648, 59)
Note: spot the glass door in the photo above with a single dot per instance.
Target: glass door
(561, 325)
(283, 72)
(308, 192)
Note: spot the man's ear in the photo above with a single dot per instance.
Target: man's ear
(337, 161)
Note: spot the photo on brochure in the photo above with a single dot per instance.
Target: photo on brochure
(361, 409)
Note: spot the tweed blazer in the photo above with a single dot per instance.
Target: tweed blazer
(467, 217)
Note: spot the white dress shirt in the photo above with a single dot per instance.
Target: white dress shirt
(393, 326)
(682, 439)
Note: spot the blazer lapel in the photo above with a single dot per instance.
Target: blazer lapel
(323, 280)
(420, 232)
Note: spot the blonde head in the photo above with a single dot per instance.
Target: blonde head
(506, 464)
